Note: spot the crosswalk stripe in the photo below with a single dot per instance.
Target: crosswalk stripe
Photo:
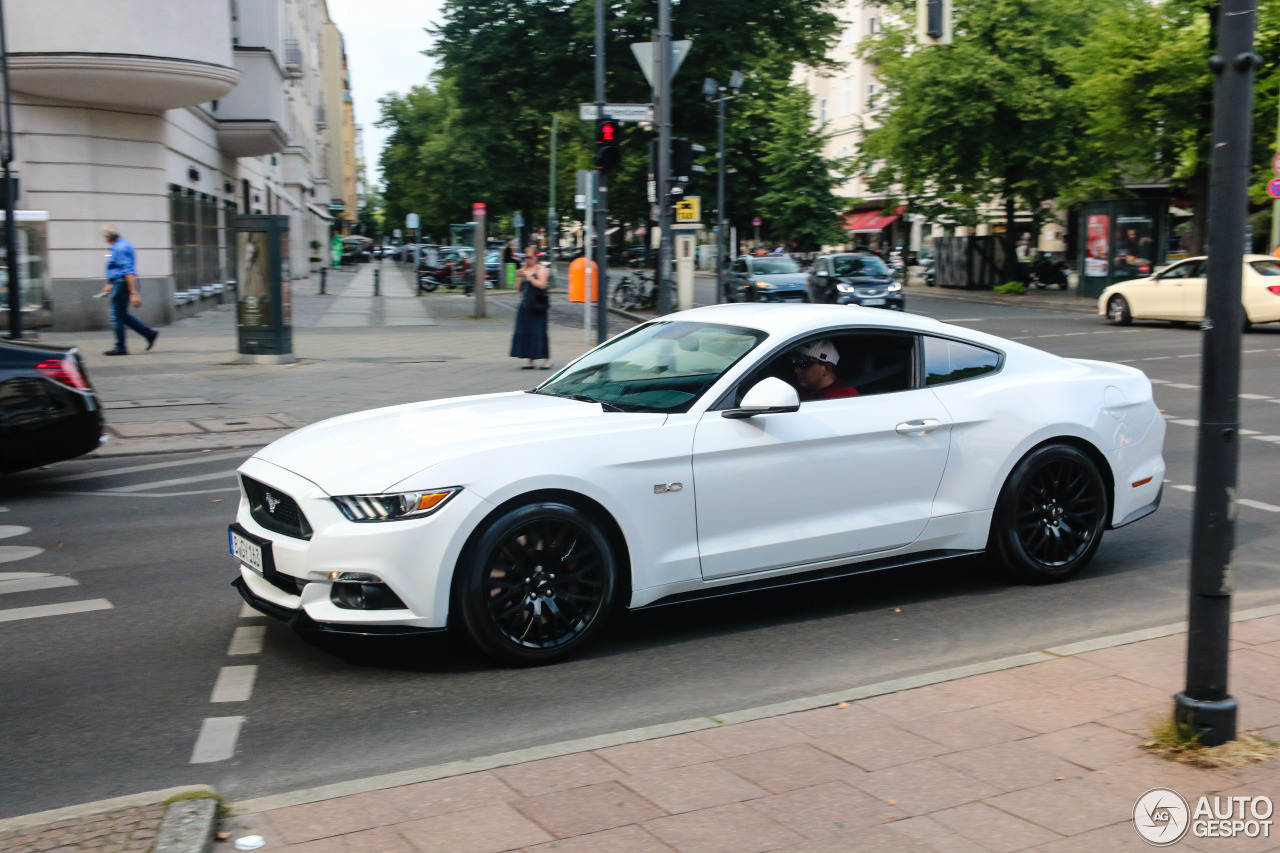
(217, 739)
(13, 614)
(32, 584)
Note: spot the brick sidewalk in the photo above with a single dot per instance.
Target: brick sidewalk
(117, 831)
(1040, 757)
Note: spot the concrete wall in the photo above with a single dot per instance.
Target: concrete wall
(193, 30)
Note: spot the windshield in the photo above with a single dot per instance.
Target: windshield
(859, 265)
(774, 266)
(663, 366)
(1266, 267)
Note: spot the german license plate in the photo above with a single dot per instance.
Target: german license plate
(873, 302)
(249, 553)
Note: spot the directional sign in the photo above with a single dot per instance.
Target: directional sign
(1273, 188)
(647, 56)
(689, 209)
(411, 222)
(618, 112)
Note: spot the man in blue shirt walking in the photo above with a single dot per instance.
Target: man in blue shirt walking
(122, 277)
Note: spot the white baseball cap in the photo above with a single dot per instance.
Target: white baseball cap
(822, 350)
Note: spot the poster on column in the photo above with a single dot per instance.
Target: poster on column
(1097, 250)
(254, 308)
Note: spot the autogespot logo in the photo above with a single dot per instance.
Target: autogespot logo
(1161, 816)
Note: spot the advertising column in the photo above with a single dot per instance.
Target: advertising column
(264, 322)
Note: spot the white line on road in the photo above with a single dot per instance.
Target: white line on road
(13, 614)
(1190, 355)
(32, 584)
(1258, 505)
(247, 640)
(1158, 358)
(1158, 381)
(1186, 422)
(1254, 397)
(9, 530)
(247, 612)
(180, 481)
(1185, 488)
(217, 740)
(133, 469)
(234, 684)
(11, 553)
(1180, 385)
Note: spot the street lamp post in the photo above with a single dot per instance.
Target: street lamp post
(6, 157)
(711, 88)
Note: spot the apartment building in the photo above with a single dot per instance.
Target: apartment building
(167, 119)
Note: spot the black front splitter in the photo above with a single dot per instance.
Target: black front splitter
(300, 621)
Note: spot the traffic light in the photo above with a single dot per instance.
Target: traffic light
(681, 160)
(608, 154)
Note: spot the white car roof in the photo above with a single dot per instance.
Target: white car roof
(786, 320)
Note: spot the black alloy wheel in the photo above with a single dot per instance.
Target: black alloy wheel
(537, 585)
(1050, 516)
(1118, 311)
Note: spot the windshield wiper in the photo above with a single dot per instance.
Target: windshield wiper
(583, 398)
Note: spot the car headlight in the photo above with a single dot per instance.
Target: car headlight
(845, 288)
(895, 287)
(394, 507)
(763, 285)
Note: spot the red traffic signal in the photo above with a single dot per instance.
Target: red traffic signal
(608, 154)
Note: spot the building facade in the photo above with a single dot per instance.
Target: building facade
(167, 119)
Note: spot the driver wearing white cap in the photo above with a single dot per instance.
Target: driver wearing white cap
(815, 369)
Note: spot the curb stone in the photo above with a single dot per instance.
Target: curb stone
(146, 798)
(188, 827)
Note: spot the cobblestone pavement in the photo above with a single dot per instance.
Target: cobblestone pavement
(110, 832)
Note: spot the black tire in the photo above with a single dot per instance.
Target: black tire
(512, 605)
(1118, 311)
(617, 295)
(426, 284)
(1050, 516)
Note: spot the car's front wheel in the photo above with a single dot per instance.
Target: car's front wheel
(537, 585)
(1118, 311)
(1049, 519)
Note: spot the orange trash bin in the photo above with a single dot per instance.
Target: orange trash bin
(577, 280)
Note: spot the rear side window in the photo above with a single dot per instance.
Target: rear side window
(951, 361)
(1266, 267)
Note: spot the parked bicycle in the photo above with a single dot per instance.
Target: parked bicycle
(629, 295)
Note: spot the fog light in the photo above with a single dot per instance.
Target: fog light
(354, 577)
(365, 596)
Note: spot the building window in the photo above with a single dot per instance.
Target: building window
(873, 26)
(196, 238)
(873, 89)
(847, 106)
(822, 111)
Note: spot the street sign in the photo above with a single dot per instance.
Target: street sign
(617, 112)
(756, 222)
(396, 233)
(1275, 163)
(1273, 188)
(411, 222)
(517, 220)
(586, 186)
(689, 209)
(648, 59)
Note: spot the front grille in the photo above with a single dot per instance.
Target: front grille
(871, 291)
(275, 510)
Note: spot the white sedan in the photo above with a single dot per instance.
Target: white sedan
(1177, 293)
(677, 461)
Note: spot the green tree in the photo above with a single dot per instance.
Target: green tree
(993, 116)
(799, 202)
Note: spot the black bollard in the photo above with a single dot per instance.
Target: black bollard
(376, 277)
(322, 272)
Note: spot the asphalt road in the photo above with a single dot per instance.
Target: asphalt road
(103, 701)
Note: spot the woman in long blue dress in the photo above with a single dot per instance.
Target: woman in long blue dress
(530, 338)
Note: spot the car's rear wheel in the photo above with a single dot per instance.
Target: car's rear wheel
(1050, 516)
(1118, 311)
(537, 585)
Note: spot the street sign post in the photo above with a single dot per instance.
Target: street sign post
(617, 112)
(1273, 188)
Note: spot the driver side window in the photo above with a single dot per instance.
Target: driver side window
(870, 362)
(740, 266)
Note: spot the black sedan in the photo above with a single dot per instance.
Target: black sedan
(48, 408)
(854, 279)
(765, 278)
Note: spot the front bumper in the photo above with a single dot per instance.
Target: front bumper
(300, 621)
(892, 301)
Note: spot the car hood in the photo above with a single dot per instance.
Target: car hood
(863, 280)
(370, 452)
(786, 280)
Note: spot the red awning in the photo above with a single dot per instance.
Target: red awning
(869, 220)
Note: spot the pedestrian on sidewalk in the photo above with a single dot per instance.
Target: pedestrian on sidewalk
(122, 287)
(530, 338)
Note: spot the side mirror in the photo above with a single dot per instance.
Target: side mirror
(768, 396)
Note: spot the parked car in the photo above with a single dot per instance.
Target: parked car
(854, 279)
(448, 266)
(677, 461)
(1177, 293)
(765, 278)
(630, 256)
(48, 408)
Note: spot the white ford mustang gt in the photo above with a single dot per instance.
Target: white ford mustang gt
(677, 460)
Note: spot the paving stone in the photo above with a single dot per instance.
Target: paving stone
(441, 796)
(880, 747)
(926, 830)
(913, 704)
(340, 816)
(685, 789)
(735, 828)
(581, 811)
(835, 809)
(992, 828)
(966, 729)
(745, 738)
(1010, 766)
(1045, 712)
(788, 767)
(658, 754)
(1113, 694)
(625, 839)
(923, 786)
(558, 774)
(1089, 745)
(490, 829)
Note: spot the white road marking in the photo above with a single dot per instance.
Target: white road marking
(1158, 381)
(8, 530)
(10, 553)
(234, 684)
(1190, 355)
(1185, 488)
(1181, 385)
(217, 739)
(32, 584)
(1254, 397)
(247, 612)
(1048, 336)
(180, 481)
(247, 640)
(122, 494)
(1158, 358)
(154, 466)
(1187, 422)
(1248, 432)
(1073, 334)
(1253, 350)
(1273, 438)
(13, 614)
(1258, 505)
(968, 320)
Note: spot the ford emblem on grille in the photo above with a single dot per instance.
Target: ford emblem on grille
(272, 502)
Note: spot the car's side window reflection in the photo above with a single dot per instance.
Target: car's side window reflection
(951, 361)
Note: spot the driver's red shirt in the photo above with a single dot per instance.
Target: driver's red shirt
(833, 391)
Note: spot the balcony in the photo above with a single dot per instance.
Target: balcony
(251, 119)
(292, 58)
(162, 55)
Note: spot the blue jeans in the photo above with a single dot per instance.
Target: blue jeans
(120, 316)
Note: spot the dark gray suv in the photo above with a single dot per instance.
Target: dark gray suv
(854, 279)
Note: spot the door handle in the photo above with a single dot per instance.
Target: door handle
(921, 426)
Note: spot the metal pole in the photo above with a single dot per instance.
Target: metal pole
(1205, 704)
(10, 224)
(478, 216)
(602, 197)
(553, 237)
(662, 90)
(721, 220)
(1275, 205)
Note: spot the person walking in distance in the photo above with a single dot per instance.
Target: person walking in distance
(122, 287)
(530, 338)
